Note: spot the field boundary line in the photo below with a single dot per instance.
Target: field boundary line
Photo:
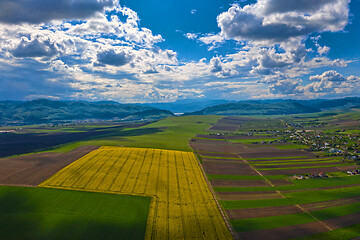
(324, 224)
(266, 180)
(222, 212)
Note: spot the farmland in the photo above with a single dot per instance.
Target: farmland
(182, 204)
(249, 163)
(43, 213)
(253, 179)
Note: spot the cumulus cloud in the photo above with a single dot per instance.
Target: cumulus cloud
(38, 11)
(214, 40)
(284, 87)
(110, 57)
(329, 76)
(280, 20)
(35, 48)
(215, 65)
(329, 83)
(332, 82)
(282, 6)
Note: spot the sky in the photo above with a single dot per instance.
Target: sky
(162, 51)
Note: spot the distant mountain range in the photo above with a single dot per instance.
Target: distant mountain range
(48, 111)
(278, 107)
(188, 105)
(256, 108)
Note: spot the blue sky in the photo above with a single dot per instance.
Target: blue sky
(162, 51)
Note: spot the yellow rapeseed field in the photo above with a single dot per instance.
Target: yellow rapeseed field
(182, 206)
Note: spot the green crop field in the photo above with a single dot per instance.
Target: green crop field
(41, 213)
(171, 133)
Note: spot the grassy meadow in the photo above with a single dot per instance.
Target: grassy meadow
(43, 213)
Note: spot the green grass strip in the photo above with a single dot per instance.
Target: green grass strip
(275, 158)
(296, 160)
(293, 163)
(323, 166)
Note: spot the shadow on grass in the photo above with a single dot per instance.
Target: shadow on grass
(18, 218)
(84, 229)
(23, 218)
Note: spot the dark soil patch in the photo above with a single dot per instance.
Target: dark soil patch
(343, 221)
(239, 183)
(234, 197)
(228, 169)
(36, 168)
(262, 212)
(332, 203)
(217, 154)
(223, 161)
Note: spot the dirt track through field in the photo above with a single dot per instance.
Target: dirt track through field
(31, 170)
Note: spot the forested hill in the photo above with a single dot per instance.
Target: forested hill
(47, 111)
(256, 108)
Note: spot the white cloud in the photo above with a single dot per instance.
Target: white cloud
(327, 84)
(193, 11)
(280, 20)
(191, 36)
(35, 48)
(214, 40)
(39, 11)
